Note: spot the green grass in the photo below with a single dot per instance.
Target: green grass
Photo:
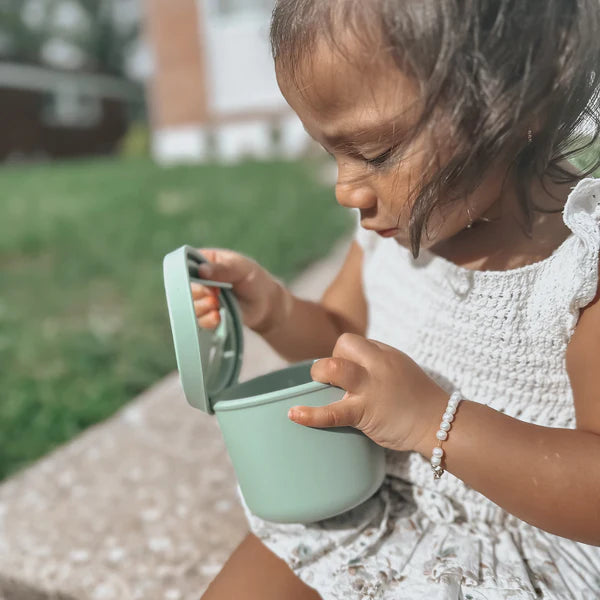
(83, 320)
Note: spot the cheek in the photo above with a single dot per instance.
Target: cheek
(393, 192)
(444, 223)
(396, 187)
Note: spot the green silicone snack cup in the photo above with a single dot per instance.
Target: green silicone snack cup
(286, 472)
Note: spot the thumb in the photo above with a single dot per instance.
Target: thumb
(222, 265)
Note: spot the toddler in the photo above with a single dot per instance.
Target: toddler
(464, 323)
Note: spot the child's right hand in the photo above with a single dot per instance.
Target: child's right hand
(255, 289)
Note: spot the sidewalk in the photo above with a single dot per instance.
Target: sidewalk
(142, 506)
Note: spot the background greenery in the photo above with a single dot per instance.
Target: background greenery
(83, 319)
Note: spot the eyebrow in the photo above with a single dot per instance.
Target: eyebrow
(388, 130)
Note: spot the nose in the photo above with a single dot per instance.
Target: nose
(355, 195)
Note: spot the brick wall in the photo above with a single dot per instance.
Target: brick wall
(177, 93)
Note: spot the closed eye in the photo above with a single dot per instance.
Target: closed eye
(379, 160)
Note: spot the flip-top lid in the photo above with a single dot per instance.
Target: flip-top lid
(209, 361)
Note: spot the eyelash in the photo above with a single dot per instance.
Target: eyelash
(380, 160)
(377, 161)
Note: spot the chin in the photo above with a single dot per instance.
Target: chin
(402, 241)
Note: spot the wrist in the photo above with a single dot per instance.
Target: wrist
(278, 312)
(432, 415)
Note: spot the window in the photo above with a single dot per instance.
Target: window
(70, 108)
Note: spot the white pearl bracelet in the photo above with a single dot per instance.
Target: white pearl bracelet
(442, 434)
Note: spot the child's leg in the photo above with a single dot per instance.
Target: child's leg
(253, 572)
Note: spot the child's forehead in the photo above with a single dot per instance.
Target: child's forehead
(346, 81)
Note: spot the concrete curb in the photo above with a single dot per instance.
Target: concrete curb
(140, 506)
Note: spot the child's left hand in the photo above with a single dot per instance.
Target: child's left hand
(388, 396)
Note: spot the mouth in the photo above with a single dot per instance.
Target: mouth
(388, 232)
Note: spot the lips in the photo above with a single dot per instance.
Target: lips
(388, 232)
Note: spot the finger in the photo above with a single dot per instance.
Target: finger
(199, 290)
(340, 372)
(210, 320)
(355, 348)
(381, 345)
(206, 305)
(387, 348)
(208, 253)
(223, 265)
(343, 413)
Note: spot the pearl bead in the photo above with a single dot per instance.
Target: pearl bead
(442, 433)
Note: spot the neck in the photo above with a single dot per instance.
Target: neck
(498, 238)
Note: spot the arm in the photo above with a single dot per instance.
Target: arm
(303, 329)
(546, 476)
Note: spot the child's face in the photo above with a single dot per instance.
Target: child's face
(353, 109)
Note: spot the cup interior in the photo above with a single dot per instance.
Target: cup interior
(283, 379)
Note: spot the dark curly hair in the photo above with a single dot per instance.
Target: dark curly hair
(492, 67)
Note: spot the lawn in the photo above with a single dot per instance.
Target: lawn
(83, 320)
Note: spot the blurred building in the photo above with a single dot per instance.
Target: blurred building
(213, 92)
(65, 89)
(50, 112)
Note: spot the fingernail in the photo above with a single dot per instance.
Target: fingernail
(294, 414)
(204, 270)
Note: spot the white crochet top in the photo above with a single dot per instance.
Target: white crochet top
(500, 337)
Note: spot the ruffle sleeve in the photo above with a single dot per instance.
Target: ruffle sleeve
(582, 215)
